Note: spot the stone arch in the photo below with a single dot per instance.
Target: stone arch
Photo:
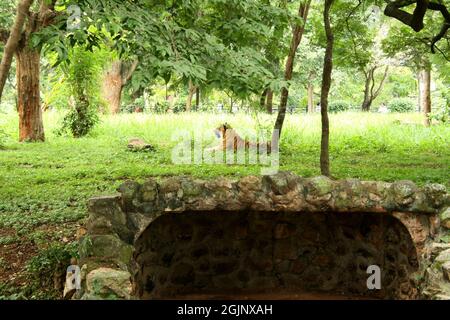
(253, 253)
(117, 223)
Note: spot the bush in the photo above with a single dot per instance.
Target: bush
(441, 116)
(180, 107)
(338, 106)
(82, 80)
(47, 270)
(161, 107)
(139, 103)
(401, 105)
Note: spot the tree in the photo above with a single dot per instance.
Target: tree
(416, 20)
(297, 33)
(409, 48)
(115, 77)
(27, 22)
(326, 85)
(359, 31)
(81, 81)
(371, 90)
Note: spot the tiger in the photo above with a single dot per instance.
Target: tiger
(231, 140)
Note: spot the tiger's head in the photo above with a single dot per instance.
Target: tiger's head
(221, 130)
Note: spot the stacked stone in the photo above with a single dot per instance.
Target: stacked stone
(116, 222)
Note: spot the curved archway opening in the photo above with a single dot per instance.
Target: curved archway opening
(276, 255)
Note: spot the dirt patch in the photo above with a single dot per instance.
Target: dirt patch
(14, 257)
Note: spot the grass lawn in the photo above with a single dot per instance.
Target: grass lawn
(44, 186)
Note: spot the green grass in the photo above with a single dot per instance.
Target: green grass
(44, 186)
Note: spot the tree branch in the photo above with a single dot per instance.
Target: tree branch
(415, 20)
(446, 14)
(377, 92)
(127, 72)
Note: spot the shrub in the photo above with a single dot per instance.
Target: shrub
(179, 107)
(401, 105)
(82, 78)
(161, 107)
(47, 270)
(138, 103)
(441, 116)
(338, 106)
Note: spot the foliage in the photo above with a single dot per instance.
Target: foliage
(2, 138)
(48, 265)
(138, 103)
(82, 82)
(441, 116)
(338, 106)
(401, 105)
(161, 107)
(178, 107)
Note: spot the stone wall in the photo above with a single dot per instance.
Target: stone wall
(248, 252)
(120, 227)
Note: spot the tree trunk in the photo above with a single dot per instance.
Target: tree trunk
(310, 98)
(370, 93)
(31, 126)
(114, 79)
(269, 102)
(197, 98)
(192, 89)
(297, 34)
(326, 85)
(425, 94)
(112, 86)
(366, 103)
(262, 99)
(419, 90)
(12, 43)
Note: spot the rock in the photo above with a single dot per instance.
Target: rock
(149, 191)
(445, 218)
(278, 183)
(441, 297)
(139, 222)
(110, 284)
(436, 248)
(108, 247)
(437, 195)
(443, 257)
(192, 188)
(284, 250)
(403, 192)
(130, 191)
(320, 186)
(182, 274)
(138, 144)
(446, 270)
(283, 231)
(107, 207)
